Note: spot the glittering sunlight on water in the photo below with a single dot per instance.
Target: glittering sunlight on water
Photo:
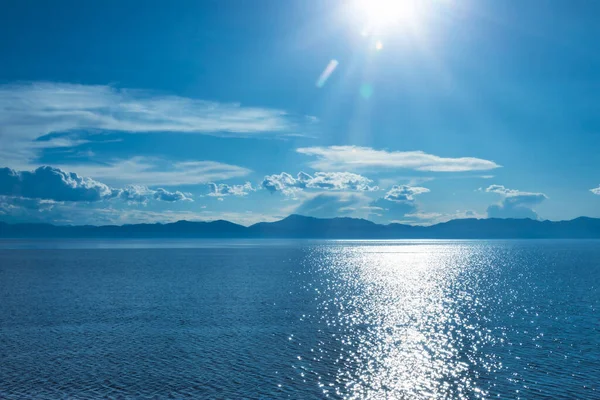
(300, 320)
(408, 321)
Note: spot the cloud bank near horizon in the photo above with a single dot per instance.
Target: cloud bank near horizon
(398, 202)
(53, 184)
(514, 203)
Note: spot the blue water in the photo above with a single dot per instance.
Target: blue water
(300, 320)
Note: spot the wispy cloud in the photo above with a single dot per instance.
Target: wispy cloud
(152, 171)
(360, 158)
(430, 218)
(596, 190)
(500, 189)
(20, 210)
(32, 110)
(333, 204)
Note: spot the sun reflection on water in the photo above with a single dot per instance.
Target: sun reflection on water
(407, 321)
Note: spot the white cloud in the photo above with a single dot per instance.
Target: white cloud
(220, 190)
(18, 209)
(424, 215)
(53, 184)
(515, 203)
(596, 190)
(30, 111)
(164, 195)
(285, 183)
(404, 192)
(10, 203)
(142, 194)
(151, 171)
(341, 181)
(500, 189)
(385, 211)
(397, 202)
(431, 218)
(104, 214)
(289, 185)
(42, 108)
(354, 157)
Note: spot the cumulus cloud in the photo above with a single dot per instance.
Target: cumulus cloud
(404, 192)
(136, 194)
(29, 111)
(164, 195)
(596, 190)
(221, 190)
(289, 185)
(341, 181)
(331, 205)
(515, 203)
(53, 184)
(354, 157)
(142, 194)
(285, 183)
(397, 202)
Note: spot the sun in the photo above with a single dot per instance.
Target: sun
(389, 12)
(381, 16)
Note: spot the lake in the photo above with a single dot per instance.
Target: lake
(299, 319)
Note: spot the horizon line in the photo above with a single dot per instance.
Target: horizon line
(299, 215)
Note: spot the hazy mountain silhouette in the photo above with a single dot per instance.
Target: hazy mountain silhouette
(296, 226)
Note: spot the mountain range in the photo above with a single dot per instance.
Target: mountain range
(297, 226)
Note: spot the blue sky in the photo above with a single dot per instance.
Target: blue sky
(125, 111)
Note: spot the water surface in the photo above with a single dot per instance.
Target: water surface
(299, 319)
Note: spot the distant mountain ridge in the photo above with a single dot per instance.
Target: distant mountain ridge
(301, 227)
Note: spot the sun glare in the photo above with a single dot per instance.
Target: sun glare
(384, 15)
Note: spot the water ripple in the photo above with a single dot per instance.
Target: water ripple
(347, 320)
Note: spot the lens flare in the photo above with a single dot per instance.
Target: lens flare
(327, 73)
(366, 91)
